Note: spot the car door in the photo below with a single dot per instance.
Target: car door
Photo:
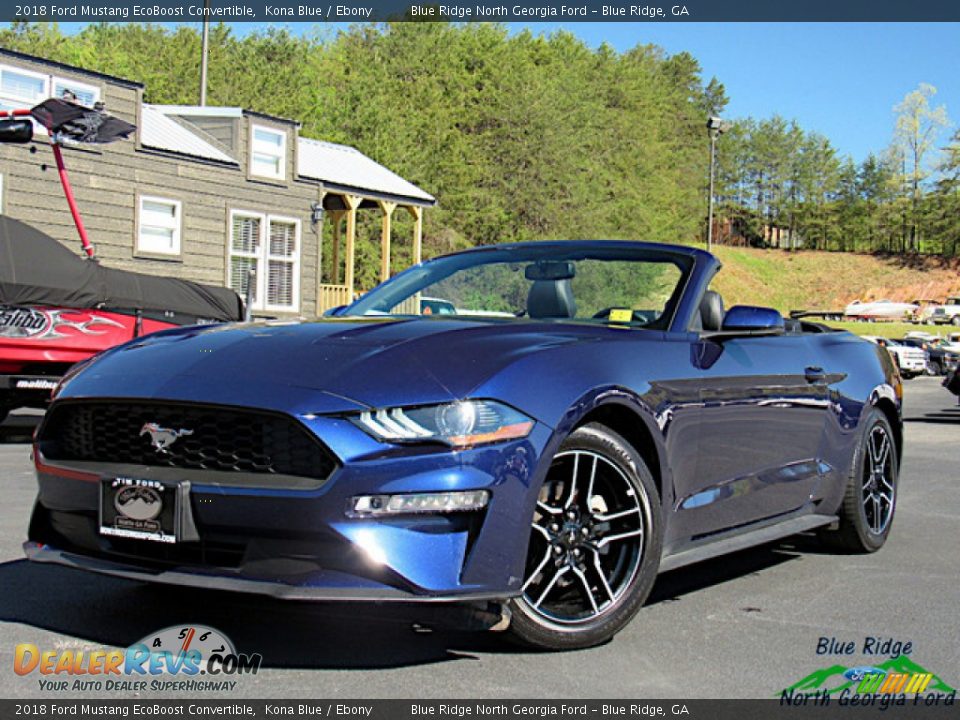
(764, 404)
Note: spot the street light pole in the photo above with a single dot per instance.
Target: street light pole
(713, 163)
(716, 127)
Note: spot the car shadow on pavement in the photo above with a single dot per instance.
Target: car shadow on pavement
(672, 585)
(946, 415)
(116, 612)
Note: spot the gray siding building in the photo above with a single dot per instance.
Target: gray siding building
(202, 193)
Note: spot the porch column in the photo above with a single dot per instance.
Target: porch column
(387, 208)
(417, 212)
(336, 216)
(352, 202)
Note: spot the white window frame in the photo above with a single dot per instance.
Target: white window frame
(21, 102)
(263, 258)
(177, 226)
(74, 85)
(50, 83)
(281, 174)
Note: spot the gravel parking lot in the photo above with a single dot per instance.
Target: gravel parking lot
(743, 626)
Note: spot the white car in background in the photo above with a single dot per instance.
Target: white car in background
(948, 313)
(910, 361)
(951, 343)
(881, 310)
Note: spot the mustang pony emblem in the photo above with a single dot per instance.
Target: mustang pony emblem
(160, 437)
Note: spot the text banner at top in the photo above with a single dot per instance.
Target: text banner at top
(347, 11)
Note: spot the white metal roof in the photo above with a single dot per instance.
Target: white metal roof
(347, 166)
(164, 133)
(200, 110)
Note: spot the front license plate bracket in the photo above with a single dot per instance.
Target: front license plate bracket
(150, 510)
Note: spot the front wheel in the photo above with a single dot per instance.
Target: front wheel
(595, 544)
(870, 500)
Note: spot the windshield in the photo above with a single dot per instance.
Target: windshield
(617, 283)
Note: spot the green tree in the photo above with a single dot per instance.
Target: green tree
(918, 128)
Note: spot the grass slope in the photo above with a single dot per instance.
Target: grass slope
(810, 280)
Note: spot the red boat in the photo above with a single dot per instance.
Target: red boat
(56, 308)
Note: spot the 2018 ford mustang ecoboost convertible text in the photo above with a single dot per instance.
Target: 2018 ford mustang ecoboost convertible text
(587, 416)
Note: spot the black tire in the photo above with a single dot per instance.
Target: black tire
(865, 520)
(3, 414)
(611, 576)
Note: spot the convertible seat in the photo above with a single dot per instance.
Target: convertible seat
(711, 311)
(551, 299)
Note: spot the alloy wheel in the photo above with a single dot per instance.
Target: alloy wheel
(587, 541)
(878, 490)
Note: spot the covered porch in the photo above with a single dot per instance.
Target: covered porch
(352, 184)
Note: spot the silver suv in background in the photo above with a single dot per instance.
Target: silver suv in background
(948, 313)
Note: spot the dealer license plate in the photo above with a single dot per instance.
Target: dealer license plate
(139, 509)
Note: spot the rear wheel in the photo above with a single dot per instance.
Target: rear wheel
(871, 495)
(594, 547)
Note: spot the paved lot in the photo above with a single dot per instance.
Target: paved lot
(743, 626)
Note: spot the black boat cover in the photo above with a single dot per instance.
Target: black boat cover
(71, 121)
(35, 269)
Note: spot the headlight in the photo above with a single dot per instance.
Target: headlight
(458, 424)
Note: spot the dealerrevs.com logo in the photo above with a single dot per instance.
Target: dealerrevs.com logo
(180, 658)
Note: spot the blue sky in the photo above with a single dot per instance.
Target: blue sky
(839, 79)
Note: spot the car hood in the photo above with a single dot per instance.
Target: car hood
(321, 366)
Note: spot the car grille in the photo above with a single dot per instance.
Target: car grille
(225, 439)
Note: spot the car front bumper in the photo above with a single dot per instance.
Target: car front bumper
(304, 543)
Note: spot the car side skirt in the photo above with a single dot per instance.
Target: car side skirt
(741, 540)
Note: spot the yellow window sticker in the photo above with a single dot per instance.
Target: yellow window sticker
(621, 315)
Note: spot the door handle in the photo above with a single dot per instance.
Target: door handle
(814, 374)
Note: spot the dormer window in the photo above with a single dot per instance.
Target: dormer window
(268, 152)
(22, 89)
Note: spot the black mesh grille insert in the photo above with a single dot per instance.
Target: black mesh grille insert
(226, 439)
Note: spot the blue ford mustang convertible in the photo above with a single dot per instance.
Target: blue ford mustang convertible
(582, 416)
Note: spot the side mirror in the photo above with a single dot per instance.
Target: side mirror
(17, 131)
(751, 319)
(332, 312)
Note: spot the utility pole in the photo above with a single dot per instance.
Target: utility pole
(204, 51)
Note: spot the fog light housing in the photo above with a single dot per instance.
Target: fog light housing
(415, 503)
